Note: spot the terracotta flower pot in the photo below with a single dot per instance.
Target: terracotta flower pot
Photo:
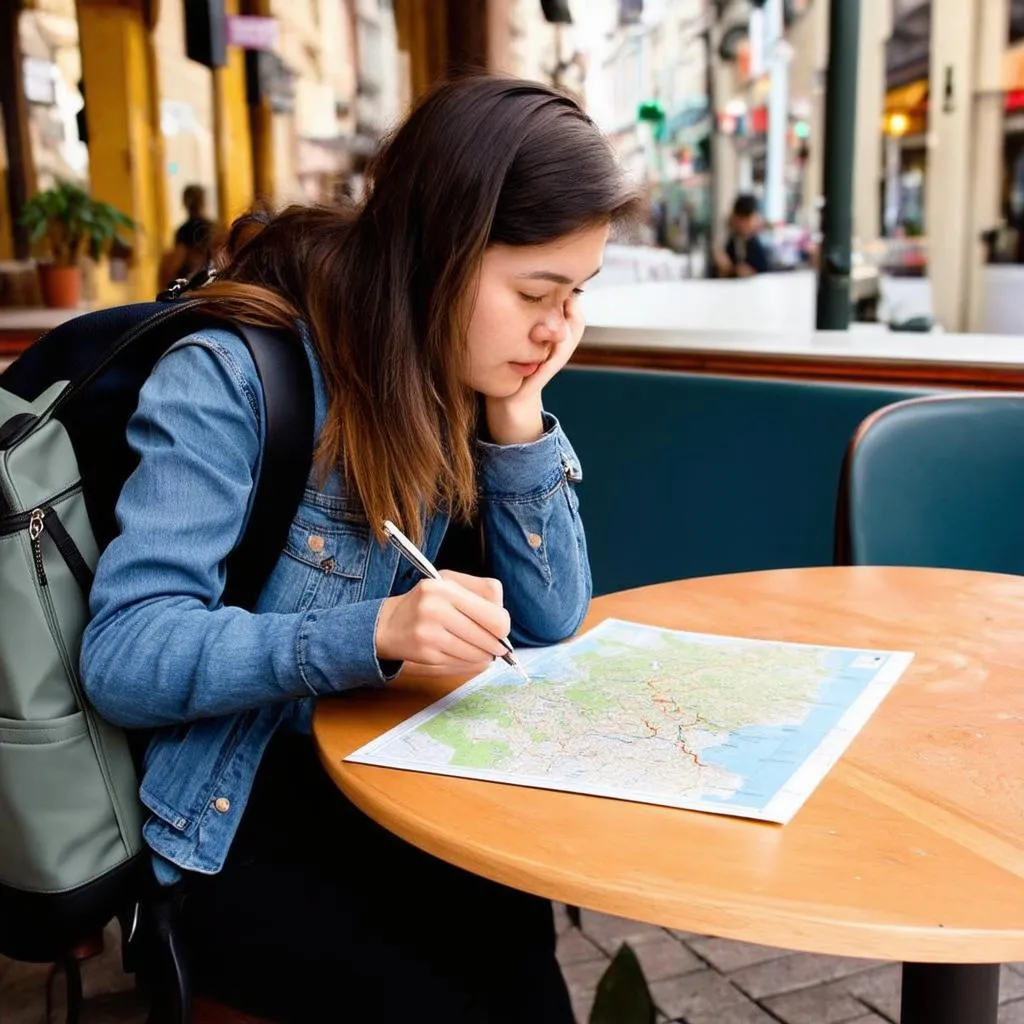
(62, 286)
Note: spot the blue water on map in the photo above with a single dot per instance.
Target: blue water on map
(765, 757)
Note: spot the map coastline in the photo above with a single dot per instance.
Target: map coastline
(727, 725)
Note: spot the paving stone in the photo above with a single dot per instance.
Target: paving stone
(700, 992)
(666, 958)
(1011, 985)
(687, 936)
(104, 973)
(822, 1004)
(23, 992)
(574, 947)
(741, 1013)
(728, 955)
(611, 932)
(582, 979)
(797, 970)
(562, 922)
(871, 1018)
(1012, 1013)
(879, 988)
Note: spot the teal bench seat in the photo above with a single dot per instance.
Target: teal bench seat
(692, 475)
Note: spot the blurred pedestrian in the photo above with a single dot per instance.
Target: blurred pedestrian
(193, 241)
(744, 254)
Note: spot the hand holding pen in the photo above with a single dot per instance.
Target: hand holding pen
(446, 618)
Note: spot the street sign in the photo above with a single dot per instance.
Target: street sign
(251, 32)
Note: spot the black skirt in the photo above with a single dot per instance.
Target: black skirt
(322, 915)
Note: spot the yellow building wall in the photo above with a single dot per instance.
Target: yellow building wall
(122, 168)
(6, 227)
(232, 134)
(186, 116)
(205, 121)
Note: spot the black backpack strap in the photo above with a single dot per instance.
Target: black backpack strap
(287, 382)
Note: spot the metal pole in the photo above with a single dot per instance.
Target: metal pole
(840, 128)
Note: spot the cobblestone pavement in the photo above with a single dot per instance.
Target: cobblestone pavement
(694, 979)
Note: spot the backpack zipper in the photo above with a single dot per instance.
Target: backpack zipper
(13, 522)
(44, 519)
(36, 524)
(35, 531)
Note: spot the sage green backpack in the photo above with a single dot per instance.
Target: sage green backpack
(68, 802)
(70, 818)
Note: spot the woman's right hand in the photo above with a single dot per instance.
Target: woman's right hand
(453, 621)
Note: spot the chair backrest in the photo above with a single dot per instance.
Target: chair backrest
(938, 482)
(694, 474)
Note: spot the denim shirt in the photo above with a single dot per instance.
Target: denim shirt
(162, 651)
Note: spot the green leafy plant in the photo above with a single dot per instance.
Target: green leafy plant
(622, 993)
(68, 222)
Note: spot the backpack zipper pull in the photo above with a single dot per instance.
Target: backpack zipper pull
(35, 530)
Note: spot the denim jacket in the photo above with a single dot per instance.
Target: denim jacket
(161, 650)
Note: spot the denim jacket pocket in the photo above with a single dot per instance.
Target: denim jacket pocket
(325, 558)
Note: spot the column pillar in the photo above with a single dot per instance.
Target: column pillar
(875, 29)
(985, 189)
(777, 58)
(232, 138)
(19, 177)
(948, 183)
(123, 144)
(261, 125)
(725, 161)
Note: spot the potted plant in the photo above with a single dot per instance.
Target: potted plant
(67, 221)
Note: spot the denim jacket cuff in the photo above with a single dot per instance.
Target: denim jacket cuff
(527, 471)
(336, 649)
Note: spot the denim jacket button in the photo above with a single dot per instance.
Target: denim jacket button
(222, 805)
(534, 540)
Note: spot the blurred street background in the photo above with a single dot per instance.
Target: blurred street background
(705, 100)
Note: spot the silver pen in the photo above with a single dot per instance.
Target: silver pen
(408, 550)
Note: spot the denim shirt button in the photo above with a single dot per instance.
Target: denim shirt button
(222, 805)
(534, 540)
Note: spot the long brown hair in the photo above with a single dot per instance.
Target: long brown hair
(482, 160)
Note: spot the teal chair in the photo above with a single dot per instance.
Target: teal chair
(937, 482)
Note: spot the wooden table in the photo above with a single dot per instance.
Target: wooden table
(911, 849)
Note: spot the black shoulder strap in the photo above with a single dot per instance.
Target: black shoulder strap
(287, 383)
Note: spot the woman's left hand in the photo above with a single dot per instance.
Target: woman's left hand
(517, 419)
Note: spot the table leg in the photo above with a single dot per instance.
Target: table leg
(950, 994)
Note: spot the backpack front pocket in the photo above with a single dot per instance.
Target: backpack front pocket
(59, 828)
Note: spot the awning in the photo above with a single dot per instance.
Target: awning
(906, 99)
(692, 123)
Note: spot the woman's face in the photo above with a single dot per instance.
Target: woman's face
(519, 315)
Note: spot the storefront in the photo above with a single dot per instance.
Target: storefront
(1010, 247)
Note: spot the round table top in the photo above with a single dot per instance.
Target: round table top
(911, 848)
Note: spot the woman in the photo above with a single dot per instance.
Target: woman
(433, 317)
